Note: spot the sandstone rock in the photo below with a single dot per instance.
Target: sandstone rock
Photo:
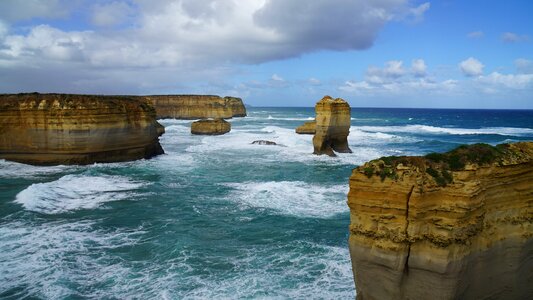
(196, 106)
(307, 128)
(263, 142)
(210, 127)
(50, 129)
(437, 228)
(332, 126)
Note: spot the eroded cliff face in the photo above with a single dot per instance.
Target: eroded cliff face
(332, 126)
(444, 226)
(196, 106)
(49, 129)
(210, 127)
(307, 128)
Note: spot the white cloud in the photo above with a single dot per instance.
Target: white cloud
(476, 34)
(191, 34)
(524, 66)
(471, 67)
(111, 14)
(17, 10)
(314, 81)
(418, 12)
(276, 77)
(418, 67)
(511, 37)
(511, 81)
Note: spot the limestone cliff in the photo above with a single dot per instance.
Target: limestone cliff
(307, 128)
(332, 126)
(210, 127)
(196, 106)
(445, 226)
(48, 129)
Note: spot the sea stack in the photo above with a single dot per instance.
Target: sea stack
(210, 127)
(191, 107)
(307, 128)
(456, 225)
(52, 129)
(332, 126)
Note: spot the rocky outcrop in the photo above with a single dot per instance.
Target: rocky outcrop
(307, 128)
(50, 129)
(196, 106)
(445, 226)
(210, 127)
(332, 126)
(263, 142)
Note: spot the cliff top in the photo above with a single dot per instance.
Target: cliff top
(329, 99)
(439, 165)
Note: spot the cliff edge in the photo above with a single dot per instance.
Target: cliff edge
(196, 106)
(456, 225)
(50, 129)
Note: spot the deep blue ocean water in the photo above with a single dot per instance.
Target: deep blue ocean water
(215, 217)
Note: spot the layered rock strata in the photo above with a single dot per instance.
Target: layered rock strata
(307, 128)
(196, 106)
(210, 127)
(51, 129)
(332, 126)
(446, 226)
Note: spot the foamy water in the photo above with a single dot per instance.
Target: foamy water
(216, 216)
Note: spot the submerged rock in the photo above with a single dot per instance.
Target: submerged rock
(51, 129)
(332, 126)
(263, 142)
(445, 226)
(307, 128)
(210, 127)
(196, 106)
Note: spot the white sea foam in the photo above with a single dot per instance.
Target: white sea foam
(73, 192)
(294, 198)
(50, 260)
(10, 169)
(511, 131)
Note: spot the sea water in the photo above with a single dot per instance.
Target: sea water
(216, 217)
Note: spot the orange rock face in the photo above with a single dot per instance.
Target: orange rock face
(424, 229)
(332, 126)
(307, 128)
(196, 106)
(210, 127)
(49, 129)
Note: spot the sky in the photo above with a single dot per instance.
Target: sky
(373, 53)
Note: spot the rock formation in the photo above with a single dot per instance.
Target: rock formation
(49, 129)
(263, 142)
(307, 128)
(445, 226)
(332, 126)
(210, 127)
(196, 107)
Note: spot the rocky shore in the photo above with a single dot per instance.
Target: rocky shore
(456, 225)
(51, 129)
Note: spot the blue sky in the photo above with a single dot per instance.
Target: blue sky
(382, 53)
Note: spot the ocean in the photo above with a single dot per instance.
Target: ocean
(216, 217)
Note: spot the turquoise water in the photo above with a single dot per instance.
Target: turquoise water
(216, 217)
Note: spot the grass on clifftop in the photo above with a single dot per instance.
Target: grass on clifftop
(439, 165)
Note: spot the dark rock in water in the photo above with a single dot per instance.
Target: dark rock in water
(263, 142)
(52, 129)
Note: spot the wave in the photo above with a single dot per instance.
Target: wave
(508, 131)
(295, 198)
(9, 169)
(74, 192)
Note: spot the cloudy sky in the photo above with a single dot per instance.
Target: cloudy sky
(373, 53)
